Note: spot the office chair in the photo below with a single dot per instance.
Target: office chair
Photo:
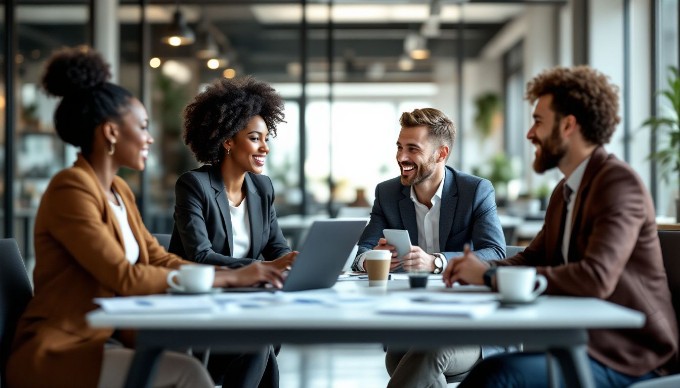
(163, 239)
(15, 293)
(670, 250)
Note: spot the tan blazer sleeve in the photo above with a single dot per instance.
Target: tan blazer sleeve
(81, 221)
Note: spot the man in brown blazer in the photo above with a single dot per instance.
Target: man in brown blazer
(599, 238)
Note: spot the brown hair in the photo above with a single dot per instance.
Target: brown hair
(440, 128)
(583, 92)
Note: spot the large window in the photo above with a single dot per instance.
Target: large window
(668, 36)
(39, 153)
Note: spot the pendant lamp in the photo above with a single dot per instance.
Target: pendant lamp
(178, 33)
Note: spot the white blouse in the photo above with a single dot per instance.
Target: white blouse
(129, 241)
(240, 227)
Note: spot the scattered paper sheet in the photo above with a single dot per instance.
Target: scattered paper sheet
(439, 308)
(158, 304)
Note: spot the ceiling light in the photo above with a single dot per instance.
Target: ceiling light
(415, 46)
(206, 46)
(430, 27)
(177, 71)
(213, 63)
(229, 73)
(155, 62)
(405, 63)
(178, 33)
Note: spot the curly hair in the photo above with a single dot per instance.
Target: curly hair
(583, 92)
(223, 109)
(440, 128)
(79, 75)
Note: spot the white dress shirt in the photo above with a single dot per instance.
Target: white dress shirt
(574, 181)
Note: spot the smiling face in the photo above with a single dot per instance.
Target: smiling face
(133, 138)
(544, 134)
(248, 149)
(416, 155)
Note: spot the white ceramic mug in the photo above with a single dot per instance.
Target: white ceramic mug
(519, 284)
(377, 264)
(192, 278)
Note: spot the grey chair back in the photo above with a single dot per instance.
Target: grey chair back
(512, 250)
(163, 239)
(15, 293)
(670, 250)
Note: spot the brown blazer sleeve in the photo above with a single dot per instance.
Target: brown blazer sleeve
(81, 221)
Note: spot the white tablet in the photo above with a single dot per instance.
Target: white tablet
(399, 239)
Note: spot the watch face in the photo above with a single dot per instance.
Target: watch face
(438, 263)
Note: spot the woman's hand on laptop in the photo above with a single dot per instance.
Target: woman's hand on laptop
(250, 275)
(284, 262)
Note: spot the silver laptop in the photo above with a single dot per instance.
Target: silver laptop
(323, 254)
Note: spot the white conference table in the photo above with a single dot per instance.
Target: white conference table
(557, 325)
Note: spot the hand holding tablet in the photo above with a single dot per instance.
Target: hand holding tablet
(399, 239)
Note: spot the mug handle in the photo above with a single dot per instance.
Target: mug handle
(171, 280)
(541, 285)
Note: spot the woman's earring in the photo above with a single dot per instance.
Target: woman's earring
(228, 151)
(112, 148)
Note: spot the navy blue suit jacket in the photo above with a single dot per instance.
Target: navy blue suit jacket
(468, 215)
(203, 232)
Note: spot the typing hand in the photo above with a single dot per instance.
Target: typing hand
(284, 262)
(250, 275)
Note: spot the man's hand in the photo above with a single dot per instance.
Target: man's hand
(249, 275)
(467, 269)
(418, 260)
(284, 262)
(396, 261)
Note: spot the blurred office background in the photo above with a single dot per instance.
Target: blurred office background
(347, 69)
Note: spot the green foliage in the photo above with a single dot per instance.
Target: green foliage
(542, 191)
(498, 170)
(501, 170)
(487, 105)
(668, 156)
(173, 99)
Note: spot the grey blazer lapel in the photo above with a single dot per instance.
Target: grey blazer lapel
(447, 211)
(220, 196)
(408, 214)
(255, 214)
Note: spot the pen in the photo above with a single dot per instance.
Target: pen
(389, 277)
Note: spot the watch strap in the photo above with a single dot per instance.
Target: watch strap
(488, 276)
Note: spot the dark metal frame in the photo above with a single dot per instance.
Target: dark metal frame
(10, 79)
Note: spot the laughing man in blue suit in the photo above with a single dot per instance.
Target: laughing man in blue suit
(442, 209)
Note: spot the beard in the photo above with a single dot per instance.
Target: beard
(422, 172)
(551, 150)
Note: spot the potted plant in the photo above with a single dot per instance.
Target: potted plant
(542, 192)
(488, 110)
(499, 171)
(668, 154)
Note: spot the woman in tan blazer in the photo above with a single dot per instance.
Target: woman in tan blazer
(90, 241)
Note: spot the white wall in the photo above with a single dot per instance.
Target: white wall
(480, 76)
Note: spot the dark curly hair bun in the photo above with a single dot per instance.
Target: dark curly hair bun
(75, 70)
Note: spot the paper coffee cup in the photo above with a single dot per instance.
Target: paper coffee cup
(377, 265)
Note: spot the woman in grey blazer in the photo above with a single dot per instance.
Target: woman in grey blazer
(224, 210)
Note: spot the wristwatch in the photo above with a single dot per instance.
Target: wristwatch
(439, 262)
(488, 277)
